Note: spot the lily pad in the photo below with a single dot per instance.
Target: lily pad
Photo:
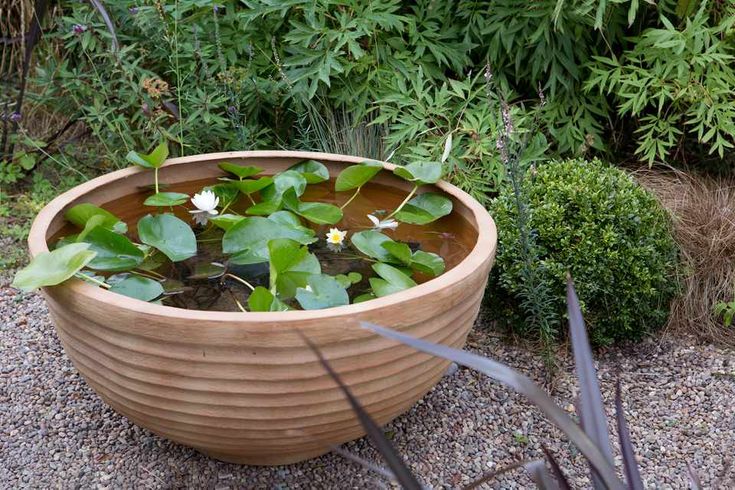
(427, 263)
(52, 268)
(391, 280)
(291, 265)
(420, 172)
(153, 159)
(81, 213)
(347, 280)
(115, 252)
(168, 234)
(249, 186)
(324, 292)
(138, 287)
(248, 239)
(316, 212)
(425, 208)
(166, 199)
(263, 300)
(356, 176)
(313, 171)
(399, 250)
(290, 179)
(370, 243)
(240, 171)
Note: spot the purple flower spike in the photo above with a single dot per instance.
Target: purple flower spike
(79, 28)
(16, 117)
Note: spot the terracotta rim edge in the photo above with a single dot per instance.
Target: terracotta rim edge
(484, 247)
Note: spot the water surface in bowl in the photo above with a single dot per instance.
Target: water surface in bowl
(193, 284)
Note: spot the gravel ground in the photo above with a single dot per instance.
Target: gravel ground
(56, 433)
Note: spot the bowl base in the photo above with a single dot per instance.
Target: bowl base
(265, 460)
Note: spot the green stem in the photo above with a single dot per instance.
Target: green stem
(85, 277)
(408, 198)
(240, 279)
(155, 178)
(153, 274)
(351, 198)
(146, 275)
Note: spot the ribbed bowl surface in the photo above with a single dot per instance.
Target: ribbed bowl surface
(243, 387)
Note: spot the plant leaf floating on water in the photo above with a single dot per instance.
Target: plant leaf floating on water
(240, 171)
(162, 199)
(323, 292)
(138, 287)
(391, 280)
(81, 213)
(356, 176)
(314, 172)
(168, 234)
(424, 209)
(115, 252)
(52, 268)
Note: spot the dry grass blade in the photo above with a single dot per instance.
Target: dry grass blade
(630, 464)
(402, 474)
(521, 384)
(703, 210)
(591, 408)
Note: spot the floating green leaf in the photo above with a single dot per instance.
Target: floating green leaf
(152, 160)
(427, 263)
(227, 192)
(166, 199)
(324, 292)
(399, 250)
(370, 243)
(347, 280)
(391, 280)
(356, 176)
(420, 172)
(263, 300)
(363, 297)
(138, 287)
(424, 209)
(205, 270)
(282, 182)
(226, 221)
(290, 266)
(285, 218)
(114, 251)
(313, 171)
(248, 239)
(264, 208)
(240, 171)
(168, 234)
(316, 212)
(52, 268)
(81, 213)
(250, 186)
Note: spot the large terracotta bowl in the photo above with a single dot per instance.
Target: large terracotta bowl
(243, 387)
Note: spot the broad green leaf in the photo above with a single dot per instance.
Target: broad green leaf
(264, 208)
(286, 218)
(425, 208)
(152, 160)
(166, 199)
(226, 192)
(427, 263)
(400, 251)
(81, 213)
(356, 176)
(282, 182)
(226, 221)
(52, 268)
(316, 212)
(114, 251)
(92, 223)
(363, 297)
(324, 292)
(370, 243)
(420, 172)
(313, 171)
(153, 258)
(263, 300)
(211, 270)
(248, 238)
(347, 280)
(291, 264)
(391, 280)
(250, 186)
(137, 287)
(240, 171)
(168, 234)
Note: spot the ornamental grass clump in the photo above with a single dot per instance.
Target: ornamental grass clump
(256, 239)
(594, 221)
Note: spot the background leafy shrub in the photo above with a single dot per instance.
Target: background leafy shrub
(610, 234)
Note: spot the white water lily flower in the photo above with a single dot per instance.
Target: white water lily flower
(336, 236)
(206, 205)
(387, 224)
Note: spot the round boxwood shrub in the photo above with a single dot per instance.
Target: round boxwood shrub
(594, 221)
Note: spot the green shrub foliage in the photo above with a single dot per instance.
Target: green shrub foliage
(254, 74)
(595, 222)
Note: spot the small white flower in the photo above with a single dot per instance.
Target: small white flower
(308, 288)
(206, 203)
(336, 237)
(383, 225)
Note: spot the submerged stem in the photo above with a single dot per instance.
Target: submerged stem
(351, 198)
(408, 198)
(85, 277)
(240, 279)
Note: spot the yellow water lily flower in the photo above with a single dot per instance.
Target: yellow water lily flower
(336, 236)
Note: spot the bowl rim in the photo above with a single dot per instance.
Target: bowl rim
(483, 250)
